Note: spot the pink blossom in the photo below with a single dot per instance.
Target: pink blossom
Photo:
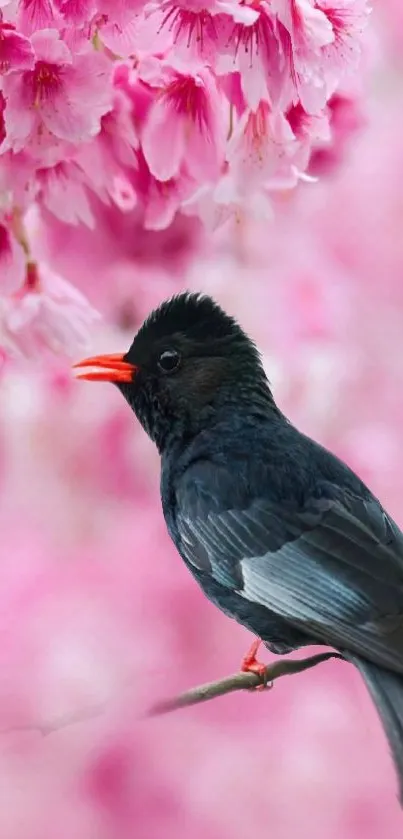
(104, 161)
(311, 132)
(261, 145)
(48, 315)
(197, 30)
(348, 19)
(67, 94)
(12, 262)
(16, 52)
(229, 199)
(98, 167)
(188, 117)
(253, 48)
(63, 191)
(304, 30)
(194, 31)
(309, 27)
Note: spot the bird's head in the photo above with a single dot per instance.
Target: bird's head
(188, 360)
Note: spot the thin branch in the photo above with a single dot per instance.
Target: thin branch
(239, 681)
(203, 693)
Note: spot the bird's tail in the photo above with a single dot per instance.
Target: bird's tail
(386, 689)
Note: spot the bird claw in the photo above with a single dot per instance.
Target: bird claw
(250, 664)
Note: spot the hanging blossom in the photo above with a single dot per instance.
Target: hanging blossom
(155, 111)
(46, 314)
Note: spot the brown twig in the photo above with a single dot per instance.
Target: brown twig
(239, 681)
(202, 693)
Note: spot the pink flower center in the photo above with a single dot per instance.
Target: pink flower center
(46, 81)
(188, 98)
(255, 38)
(256, 129)
(199, 26)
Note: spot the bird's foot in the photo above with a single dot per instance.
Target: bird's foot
(250, 664)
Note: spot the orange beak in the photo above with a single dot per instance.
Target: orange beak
(113, 369)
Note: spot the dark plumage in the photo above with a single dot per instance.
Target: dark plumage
(279, 533)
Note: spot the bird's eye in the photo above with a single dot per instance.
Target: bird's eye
(169, 361)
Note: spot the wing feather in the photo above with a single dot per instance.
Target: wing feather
(333, 567)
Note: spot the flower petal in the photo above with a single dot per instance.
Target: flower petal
(123, 41)
(205, 146)
(75, 110)
(20, 117)
(64, 195)
(75, 11)
(55, 318)
(16, 51)
(163, 140)
(50, 48)
(34, 15)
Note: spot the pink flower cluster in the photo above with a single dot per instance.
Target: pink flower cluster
(197, 107)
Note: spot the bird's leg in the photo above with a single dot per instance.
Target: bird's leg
(250, 664)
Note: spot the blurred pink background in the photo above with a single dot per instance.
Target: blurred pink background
(98, 615)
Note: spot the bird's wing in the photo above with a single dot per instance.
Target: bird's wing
(332, 567)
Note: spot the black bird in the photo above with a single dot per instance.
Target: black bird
(279, 533)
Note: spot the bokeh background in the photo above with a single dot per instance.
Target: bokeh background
(98, 616)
